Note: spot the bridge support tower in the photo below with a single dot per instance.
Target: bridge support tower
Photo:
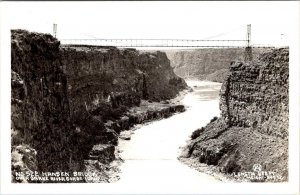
(248, 49)
(54, 30)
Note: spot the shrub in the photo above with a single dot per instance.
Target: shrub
(213, 119)
(197, 133)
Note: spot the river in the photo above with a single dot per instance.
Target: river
(151, 154)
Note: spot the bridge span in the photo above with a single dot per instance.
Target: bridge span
(162, 43)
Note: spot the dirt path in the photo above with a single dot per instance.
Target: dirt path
(151, 154)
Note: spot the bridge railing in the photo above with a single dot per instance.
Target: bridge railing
(156, 42)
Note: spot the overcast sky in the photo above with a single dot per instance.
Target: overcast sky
(272, 22)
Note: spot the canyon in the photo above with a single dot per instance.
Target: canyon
(83, 108)
(69, 103)
(211, 64)
(253, 127)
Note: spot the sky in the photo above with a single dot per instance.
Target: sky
(272, 22)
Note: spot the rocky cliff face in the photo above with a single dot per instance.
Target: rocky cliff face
(103, 83)
(253, 127)
(39, 103)
(256, 95)
(123, 76)
(63, 98)
(206, 64)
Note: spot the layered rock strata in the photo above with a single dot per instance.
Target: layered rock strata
(210, 64)
(39, 104)
(253, 127)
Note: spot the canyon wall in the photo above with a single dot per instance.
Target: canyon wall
(253, 127)
(103, 83)
(256, 95)
(39, 104)
(208, 63)
(124, 76)
(64, 96)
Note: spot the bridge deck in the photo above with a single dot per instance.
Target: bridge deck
(162, 43)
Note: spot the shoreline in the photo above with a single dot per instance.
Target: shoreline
(134, 119)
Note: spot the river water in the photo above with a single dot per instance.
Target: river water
(151, 154)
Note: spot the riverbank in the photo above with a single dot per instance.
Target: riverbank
(249, 142)
(151, 153)
(107, 169)
(70, 102)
